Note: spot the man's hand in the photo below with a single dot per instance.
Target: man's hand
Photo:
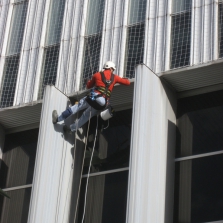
(86, 80)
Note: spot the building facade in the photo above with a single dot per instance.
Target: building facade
(159, 159)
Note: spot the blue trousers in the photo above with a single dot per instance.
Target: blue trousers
(87, 114)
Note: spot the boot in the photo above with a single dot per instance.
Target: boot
(54, 117)
(66, 129)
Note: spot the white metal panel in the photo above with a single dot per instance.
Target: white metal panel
(2, 140)
(52, 181)
(150, 192)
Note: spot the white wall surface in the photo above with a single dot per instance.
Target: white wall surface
(2, 140)
(151, 174)
(53, 174)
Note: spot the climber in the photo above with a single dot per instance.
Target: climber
(102, 84)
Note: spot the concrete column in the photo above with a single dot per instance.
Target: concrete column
(57, 164)
(2, 140)
(151, 170)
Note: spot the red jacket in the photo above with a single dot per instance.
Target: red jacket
(97, 82)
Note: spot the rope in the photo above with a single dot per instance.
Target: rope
(89, 169)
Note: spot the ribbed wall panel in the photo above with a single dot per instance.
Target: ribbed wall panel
(30, 51)
(52, 182)
(150, 191)
(3, 18)
(2, 140)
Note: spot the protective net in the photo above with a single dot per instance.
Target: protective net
(52, 45)
(11, 66)
(220, 13)
(181, 33)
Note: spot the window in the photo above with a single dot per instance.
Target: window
(135, 36)
(93, 37)
(199, 156)
(181, 33)
(106, 198)
(11, 66)
(108, 182)
(16, 173)
(52, 45)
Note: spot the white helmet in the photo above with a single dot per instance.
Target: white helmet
(109, 64)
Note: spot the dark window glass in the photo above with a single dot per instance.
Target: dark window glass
(134, 48)
(198, 190)
(49, 70)
(18, 160)
(92, 50)
(181, 40)
(113, 144)
(220, 30)
(106, 198)
(199, 124)
(9, 81)
(15, 209)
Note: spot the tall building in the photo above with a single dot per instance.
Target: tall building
(159, 159)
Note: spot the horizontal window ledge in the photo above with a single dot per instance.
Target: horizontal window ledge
(198, 156)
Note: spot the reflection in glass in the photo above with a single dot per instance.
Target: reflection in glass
(18, 159)
(95, 16)
(55, 22)
(16, 209)
(137, 11)
(198, 190)
(17, 28)
(106, 198)
(113, 144)
(181, 5)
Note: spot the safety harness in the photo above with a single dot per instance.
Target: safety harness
(104, 91)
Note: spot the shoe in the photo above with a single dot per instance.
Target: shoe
(66, 129)
(54, 117)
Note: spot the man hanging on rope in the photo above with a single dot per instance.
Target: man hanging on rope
(102, 84)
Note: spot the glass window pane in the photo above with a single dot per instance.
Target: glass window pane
(220, 30)
(49, 68)
(18, 159)
(199, 124)
(198, 190)
(181, 40)
(137, 11)
(55, 22)
(106, 198)
(16, 209)
(17, 28)
(113, 144)
(9, 81)
(181, 5)
(95, 16)
(134, 48)
(91, 57)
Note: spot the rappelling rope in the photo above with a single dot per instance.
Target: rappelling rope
(89, 169)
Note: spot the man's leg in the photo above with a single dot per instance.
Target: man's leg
(71, 110)
(88, 113)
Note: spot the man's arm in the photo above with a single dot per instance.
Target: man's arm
(91, 83)
(124, 81)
